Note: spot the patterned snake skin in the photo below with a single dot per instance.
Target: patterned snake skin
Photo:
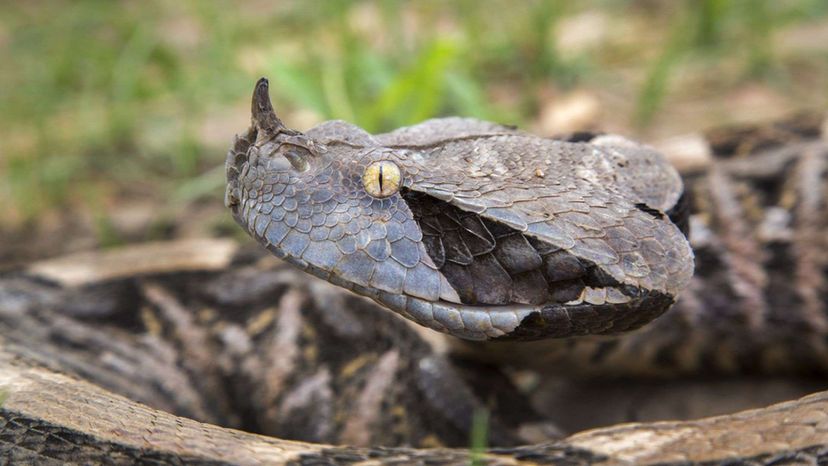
(543, 257)
(493, 233)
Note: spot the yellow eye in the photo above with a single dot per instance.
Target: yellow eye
(382, 179)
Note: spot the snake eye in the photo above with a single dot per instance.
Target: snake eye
(382, 179)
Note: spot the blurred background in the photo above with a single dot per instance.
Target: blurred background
(115, 116)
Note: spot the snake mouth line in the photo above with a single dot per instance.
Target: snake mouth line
(522, 322)
(606, 311)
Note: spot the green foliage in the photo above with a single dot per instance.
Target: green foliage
(479, 436)
(721, 32)
(100, 97)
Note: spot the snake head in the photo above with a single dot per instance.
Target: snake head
(467, 227)
(330, 202)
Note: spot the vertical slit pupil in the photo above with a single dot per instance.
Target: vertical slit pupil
(380, 178)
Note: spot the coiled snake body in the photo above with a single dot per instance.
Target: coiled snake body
(471, 229)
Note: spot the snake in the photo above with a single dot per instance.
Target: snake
(506, 242)
(466, 227)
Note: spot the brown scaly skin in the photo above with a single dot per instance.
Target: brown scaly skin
(236, 342)
(757, 302)
(252, 346)
(161, 320)
(494, 234)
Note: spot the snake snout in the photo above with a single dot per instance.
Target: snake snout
(236, 158)
(231, 197)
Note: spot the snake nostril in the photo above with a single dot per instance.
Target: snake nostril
(231, 196)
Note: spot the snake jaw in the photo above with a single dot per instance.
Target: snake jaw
(526, 322)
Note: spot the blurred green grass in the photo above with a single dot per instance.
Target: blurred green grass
(104, 101)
